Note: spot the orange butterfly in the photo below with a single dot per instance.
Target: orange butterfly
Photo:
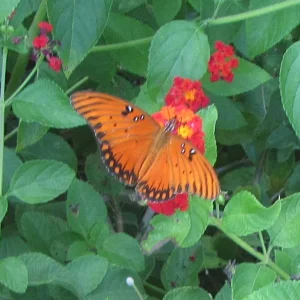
(139, 152)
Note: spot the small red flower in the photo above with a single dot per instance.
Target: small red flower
(40, 41)
(222, 62)
(45, 27)
(55, 63)
(169, 207)
(187, 92)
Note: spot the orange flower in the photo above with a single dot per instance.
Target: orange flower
(222, 62)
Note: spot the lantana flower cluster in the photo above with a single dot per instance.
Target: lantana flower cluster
(44, 44)
(222, 63)
(183, 100)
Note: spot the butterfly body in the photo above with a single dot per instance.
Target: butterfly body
(141, 153)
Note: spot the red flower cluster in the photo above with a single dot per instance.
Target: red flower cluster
(183, 100)
(45, 45)
(222, 62)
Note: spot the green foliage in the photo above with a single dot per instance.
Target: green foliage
(70, 230)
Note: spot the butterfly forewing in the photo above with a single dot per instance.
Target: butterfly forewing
(124, 131)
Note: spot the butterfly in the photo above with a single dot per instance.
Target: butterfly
(141, 153)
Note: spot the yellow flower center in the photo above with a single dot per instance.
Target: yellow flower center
(190, 95)
(185, 131)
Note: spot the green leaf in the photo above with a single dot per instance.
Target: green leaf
(41, 230)
(229, 113)
(88, 271)
(3, 207)
(78, 249)
(40, 181)
(264, 32)
(13, 274)
(210, 116)
(45, 103)
(122, 29)
(246, 77)
(249, 278)
(292, 185)
(125, 251)
(125, 6)
(182, 267)
(188, 293)
(54, 147)
(287, 290)
(283, 260)
(29, 134)
(165, 11)
(225, 292)
(244, 214)
(85, 207)
(179, 48)
(7, 7)
(23, 10)
(43, 269)
(84, 22)
(289, 85)
(284, 232)
(114, 287)
(185, 228)
(11, 163)
(19, 33)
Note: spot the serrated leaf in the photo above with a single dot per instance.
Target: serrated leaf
(244, 214)
(88, 270)
(40, 181)
(41, 229)
(190, 293)
(209, 117)
(11, 163)
(182, 267)
(120, 29)
(45, 103)
(13, 274)
(284, 232)
(7, 7)
(185, 228)
(125, 251)
(247, 76)
(165, 11)
(179, 48)
(54, 147)
(289, 85)
(114, 287)
(249, 278)
(265, 31)
(83, 22)
(29, 134)
(287, 290)
(43, 269)
(85, 208)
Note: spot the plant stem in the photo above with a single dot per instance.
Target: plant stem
(118, 215)
(254, 13)
(262, 243)
(2, 117)
(215, 222)
(154, 288)
(22, 60)
(33, 71)
(77, 84)
(123, 45)
(11, 134)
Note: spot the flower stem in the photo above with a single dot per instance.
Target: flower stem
(154, 288)
(77, 84)
(11, 134)
(33, 71)
(253, 13)
(123, 45)
(22, 60)
(264, 259)
(2, 117)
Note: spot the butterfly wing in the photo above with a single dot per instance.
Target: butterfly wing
(125, 132)
(180, 167)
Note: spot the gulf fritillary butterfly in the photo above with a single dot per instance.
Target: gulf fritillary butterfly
(141, 153)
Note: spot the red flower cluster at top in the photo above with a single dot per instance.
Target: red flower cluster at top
(222, 62)
(183, 100)
(45, 45)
